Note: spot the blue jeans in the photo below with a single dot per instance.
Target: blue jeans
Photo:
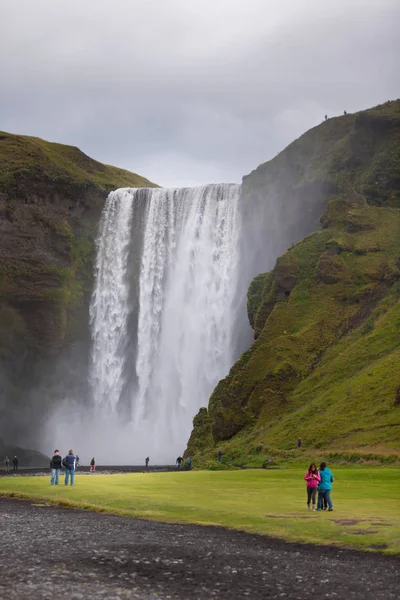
(324, 494)
(69, 473)
(55, 473)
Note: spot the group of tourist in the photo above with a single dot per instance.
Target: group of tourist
(180, 463)
(7, 463)
(319, 481)
(70, 463)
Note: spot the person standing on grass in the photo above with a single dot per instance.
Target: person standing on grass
(69, 464)
(179, 462)
(7, 463)
(188, 463)
(15, 463)
(92, 465)
(325, 486)
(312, 478)
(147, 460)
(220, 456)
(299, 442)
(55, 465)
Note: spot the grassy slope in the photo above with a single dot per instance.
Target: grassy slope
(51, 193)
(325, 362)
(26, 157)
(254, 501)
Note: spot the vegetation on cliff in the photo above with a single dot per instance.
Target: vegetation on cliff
(51, 198)
(24, 158)
(324, 365)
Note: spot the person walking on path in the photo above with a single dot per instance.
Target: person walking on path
(69, 464)
(312, 478)
(92, 465)
(325, 486)
(15, 463)
(220, 456)
(55, 465)
(147, 460)
(7, 463)
(179, 462)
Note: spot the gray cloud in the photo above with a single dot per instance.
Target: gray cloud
(191, 92)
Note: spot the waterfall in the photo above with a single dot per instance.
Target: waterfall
(163, 308)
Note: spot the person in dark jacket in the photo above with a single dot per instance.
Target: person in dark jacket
(69, 464)
(15, 463)
(325, 486)
(55, 466)
(147, 461)
(92, 465)
(179, 462)
(219, 456)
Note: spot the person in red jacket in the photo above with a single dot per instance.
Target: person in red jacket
(312, 478)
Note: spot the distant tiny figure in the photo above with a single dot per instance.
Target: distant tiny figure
(92, 465)
(147, 460)
(312, 478)
(55, 466)
(325, 486)
(326, 117)
(188, 463)
(69, 463)
(345, 112)
(15, 463)
(77, 464)
(7, 463)
(179, 462)
(299, 442)
(220, 456)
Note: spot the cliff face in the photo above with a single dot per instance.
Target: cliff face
(323, 365)
(51, 197)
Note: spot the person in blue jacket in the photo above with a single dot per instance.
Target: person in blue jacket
(325, 486)
(69, 464)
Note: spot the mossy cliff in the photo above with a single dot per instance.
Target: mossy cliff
(51, 197)
(326, 319)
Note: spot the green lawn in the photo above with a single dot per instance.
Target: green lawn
(366, 502)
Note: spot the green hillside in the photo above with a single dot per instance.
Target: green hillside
(325, 363)
(30, 158)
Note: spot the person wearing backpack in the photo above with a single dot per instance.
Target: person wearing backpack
(69, 464)
(325, 486)
(55, 466)
(312, 478)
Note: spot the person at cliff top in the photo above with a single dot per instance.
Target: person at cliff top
(312, 478)
(92, 465)
(55, 466)
(147, 461)
(179, 462)
(15, 463)
(325, 486)
(69, 464)
(7, 463)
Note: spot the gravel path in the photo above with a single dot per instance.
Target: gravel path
(57, 553)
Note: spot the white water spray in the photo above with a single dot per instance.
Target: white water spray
(172, 256)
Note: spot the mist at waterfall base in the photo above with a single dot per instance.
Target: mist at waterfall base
(163, 321)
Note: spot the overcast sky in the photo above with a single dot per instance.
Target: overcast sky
(187, 92)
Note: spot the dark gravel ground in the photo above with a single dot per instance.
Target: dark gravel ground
(52, 552)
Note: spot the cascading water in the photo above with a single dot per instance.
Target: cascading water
(163, 308)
